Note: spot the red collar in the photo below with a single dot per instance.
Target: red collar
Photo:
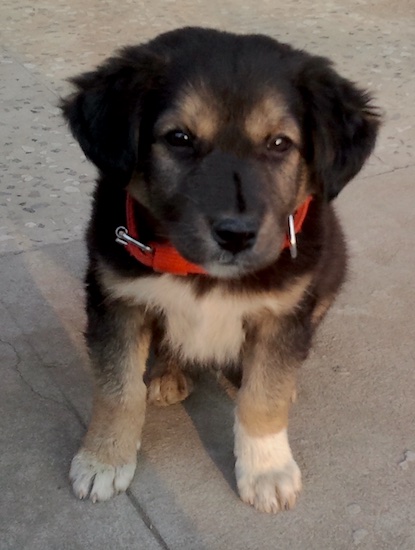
(163, 257)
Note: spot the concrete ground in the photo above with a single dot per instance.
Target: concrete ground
(353, 428)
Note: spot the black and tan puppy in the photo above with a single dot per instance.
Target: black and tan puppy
(212, 237)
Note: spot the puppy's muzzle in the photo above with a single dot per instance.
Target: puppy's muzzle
(235, 234)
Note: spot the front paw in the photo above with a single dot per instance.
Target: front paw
(271, 491)
(96, 480)
(267, 476)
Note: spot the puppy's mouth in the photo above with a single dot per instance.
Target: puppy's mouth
(228, 269)
(221, 263)
(230, 251)
(228, 265)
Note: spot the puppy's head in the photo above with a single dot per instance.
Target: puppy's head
(221, 137)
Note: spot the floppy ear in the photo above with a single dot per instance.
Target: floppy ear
(104, 112)
(341, 125)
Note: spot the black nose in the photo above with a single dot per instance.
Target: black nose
(234, 235)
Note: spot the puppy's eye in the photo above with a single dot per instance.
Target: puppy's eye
(279, 144)
(178, 138)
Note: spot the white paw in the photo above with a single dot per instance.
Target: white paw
(271, 491)
(267, 476)
(99, 481)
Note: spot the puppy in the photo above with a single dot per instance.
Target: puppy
(213, 240)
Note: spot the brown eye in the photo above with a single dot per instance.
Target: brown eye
(279, 144)
(178, 138)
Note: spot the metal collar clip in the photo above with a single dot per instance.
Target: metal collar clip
(292, 237)
(122, 237)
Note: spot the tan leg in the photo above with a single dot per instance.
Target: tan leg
(321, 309)
(267, 475)
(106, 461)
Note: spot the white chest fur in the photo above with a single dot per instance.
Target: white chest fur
(201, 328)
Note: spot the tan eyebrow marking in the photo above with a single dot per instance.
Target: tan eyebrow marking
(195, 111)
(268, 118)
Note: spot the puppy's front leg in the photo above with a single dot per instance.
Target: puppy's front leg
(267, 475)
(118, 342)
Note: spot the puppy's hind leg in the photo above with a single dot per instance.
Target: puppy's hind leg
(118, 341)
(171, 387)
(167, 383)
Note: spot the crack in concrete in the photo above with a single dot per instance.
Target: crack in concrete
(388, 171)
(66, 403)
(22, 377)
(146, 520)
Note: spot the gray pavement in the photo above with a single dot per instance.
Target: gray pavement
(353, 428)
